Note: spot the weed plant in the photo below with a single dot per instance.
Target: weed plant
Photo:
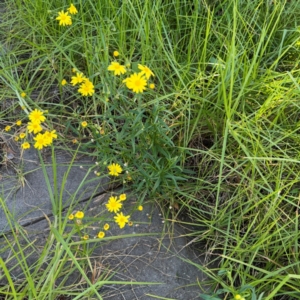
(217, 138)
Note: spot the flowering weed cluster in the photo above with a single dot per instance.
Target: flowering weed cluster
(35, 127)
(113, 205)
(64, 18)
(137, 82)
(86, 87)
(113, 123)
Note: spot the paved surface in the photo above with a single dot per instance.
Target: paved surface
(25, 189)
(157, 258)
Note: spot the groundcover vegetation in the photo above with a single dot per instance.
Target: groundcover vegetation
(193, 104)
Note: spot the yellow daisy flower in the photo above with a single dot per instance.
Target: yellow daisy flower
(34, 127)
(49, 136)
(106, 226)
(84, 124)
(79, 78)
(136, 82)
(7, 128)
(63, 82)
(25, 145)
(113, 205)
(116, 53)
(71, 217)
(101, 235)
(40, 141)
(72, 9)
(22, 135)
(23, 95)
(86, 88)
(79, 214)
(122, 197)
(121, 220)
(145, 70)
(140, 208)
(152, 86)
(64, 18)
(19, 123)
(116, 68)
(37, 116)
(114, 169)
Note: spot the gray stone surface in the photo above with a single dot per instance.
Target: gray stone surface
(25, 191)
(127, 254)
(151, 250)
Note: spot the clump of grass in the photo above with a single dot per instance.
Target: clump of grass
(218, 134)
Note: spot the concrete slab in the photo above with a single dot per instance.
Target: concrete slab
(147, 251)
(157, 258)
(25, 190)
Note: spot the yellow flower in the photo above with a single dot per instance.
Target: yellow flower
(72, 9)
(79, 78)
(19, 123)
(116, 68)
(114, 169)
(86, 88)
(152, 86)
(22, 135)
(121, 220)
(34, 127)
(49, 136)
(122, 197)
(83, 124)
(85, 237)
(63, 82)
(113, 205)
(79, 214)
(7, 128)
(106, 226)
(146, 71)
(74, 141)
(37, 116)
(23, 95)
(140, 207)
(71, 217)
(40, 141)
(130, 223)
(101, 235)
(64, 18)
(25, 145)
(116, 53)
(136, 82)
(238, 297)
(16, 138)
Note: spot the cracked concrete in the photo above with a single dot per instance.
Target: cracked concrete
(152, 250)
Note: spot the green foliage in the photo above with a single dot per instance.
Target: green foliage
(219, 134)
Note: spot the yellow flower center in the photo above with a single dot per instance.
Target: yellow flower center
(138, 82)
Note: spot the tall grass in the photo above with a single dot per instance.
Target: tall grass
(225, 113)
